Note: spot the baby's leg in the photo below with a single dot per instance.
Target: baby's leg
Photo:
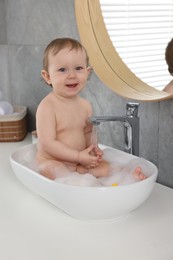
(81, 169)
(53, 169)
(100, 171)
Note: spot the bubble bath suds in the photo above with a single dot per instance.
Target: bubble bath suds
(121, 172)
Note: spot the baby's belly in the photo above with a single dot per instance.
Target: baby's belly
(75, 141)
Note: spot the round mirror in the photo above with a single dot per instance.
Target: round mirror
(140, 32)
(104, 58)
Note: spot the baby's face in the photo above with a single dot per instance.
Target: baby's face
(68, 72)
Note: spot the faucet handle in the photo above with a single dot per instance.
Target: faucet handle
(132, 109)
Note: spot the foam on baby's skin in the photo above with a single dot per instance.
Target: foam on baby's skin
(121, 172)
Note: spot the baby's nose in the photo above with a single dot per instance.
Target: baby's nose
(71, 73)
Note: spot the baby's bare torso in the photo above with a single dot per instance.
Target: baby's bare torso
(70, 123)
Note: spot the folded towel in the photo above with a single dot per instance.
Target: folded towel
(6, 108)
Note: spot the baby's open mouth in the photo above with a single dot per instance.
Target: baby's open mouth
(71, 85)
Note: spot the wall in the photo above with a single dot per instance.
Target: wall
(26, 27)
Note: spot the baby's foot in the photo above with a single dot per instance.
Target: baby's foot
(138, 174)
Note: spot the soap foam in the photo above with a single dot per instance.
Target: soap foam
(121, 172)
(77, 179)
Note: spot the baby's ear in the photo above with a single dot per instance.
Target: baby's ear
(90, 70)
(46, 76)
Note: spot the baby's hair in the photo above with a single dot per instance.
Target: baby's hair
(169, 56)
(57, 45)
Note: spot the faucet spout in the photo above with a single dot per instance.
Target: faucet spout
(130, 122)
(96, 120)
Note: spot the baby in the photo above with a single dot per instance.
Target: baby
(62, 124)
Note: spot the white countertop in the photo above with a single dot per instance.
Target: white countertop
(33, 229)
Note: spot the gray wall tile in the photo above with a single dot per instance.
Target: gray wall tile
(38, 22)
(4, 73)
(3, 34)
(165, 147)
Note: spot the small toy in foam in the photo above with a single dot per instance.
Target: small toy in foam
(114, 184)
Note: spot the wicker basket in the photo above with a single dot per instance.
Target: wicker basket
(13, 127)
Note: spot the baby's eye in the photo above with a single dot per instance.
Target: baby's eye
(62, 70)
(79, 68)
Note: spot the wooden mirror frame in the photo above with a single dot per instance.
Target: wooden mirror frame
(105, 60)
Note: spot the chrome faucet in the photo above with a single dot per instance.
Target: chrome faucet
(131, 127)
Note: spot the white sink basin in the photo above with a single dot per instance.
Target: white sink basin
(86, 203)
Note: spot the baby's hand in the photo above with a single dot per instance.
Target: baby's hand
(98, 152)
(88, 160)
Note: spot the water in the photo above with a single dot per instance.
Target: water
(94, 136)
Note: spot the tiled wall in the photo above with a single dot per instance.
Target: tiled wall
(26, 27)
